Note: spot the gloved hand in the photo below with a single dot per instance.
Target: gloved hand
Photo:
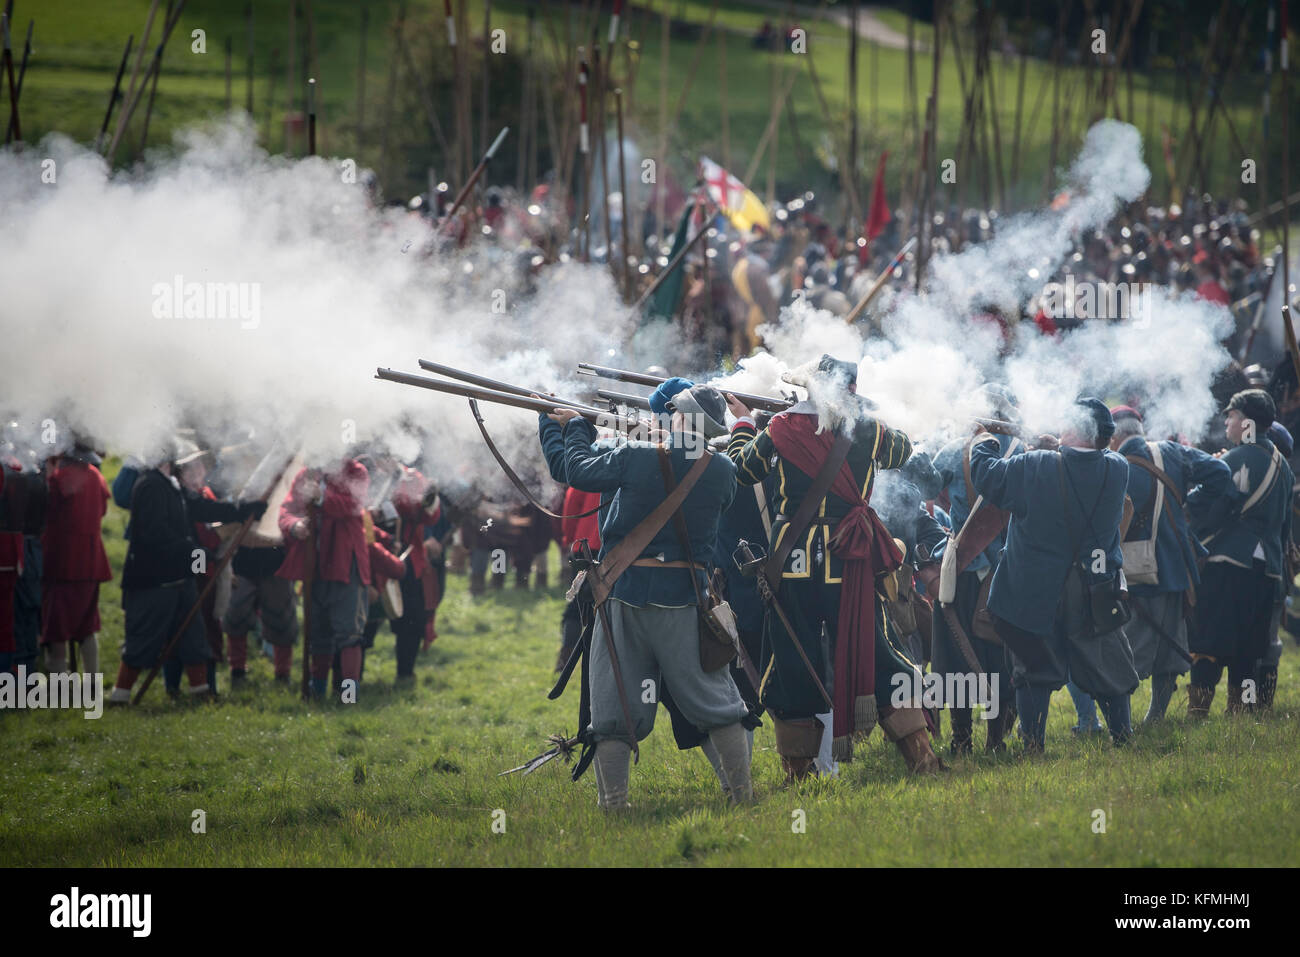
(667, 389)
(251, 509)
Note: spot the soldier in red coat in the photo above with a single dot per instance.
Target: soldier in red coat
(75, 560)
(418, 508)
(342, 563)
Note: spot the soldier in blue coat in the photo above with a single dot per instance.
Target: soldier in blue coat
(652, 609)
(1161, 595)
(952, 463)
(1245, 573)
(1060, 565)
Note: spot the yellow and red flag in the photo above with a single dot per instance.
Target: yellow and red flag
(738, 203)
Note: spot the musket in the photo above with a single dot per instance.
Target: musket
(473, 378)
(765, 402)
(879, 283)
(998, 426)
(596, 416)
(624, 398)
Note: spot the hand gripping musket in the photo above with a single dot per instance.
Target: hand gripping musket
(765, 402)
(752, 565)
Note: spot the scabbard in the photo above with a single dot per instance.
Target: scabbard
(960, 638)
(770, 597)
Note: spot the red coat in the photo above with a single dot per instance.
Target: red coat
(383, 563)
(73, 541)
(407, 499)
(575, 529)
(340, 531)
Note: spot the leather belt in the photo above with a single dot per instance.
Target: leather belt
(656, 563)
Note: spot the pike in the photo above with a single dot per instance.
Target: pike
(311, 116)
(1292, 350)
(473, 177)
(8, 56)
(879, 283)
(117, 89)
(11, 132)
(765, 402)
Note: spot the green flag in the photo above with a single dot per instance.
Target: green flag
(663, 304)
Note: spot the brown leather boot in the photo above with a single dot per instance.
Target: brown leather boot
(1235, 705)
(1199, 699)
(797, 742)
(797, 769)
(906, 728)
(918, 754)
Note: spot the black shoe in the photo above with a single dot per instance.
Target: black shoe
(174, 694)
(238, 678)
(282, 680)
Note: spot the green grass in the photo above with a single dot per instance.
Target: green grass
(78, 45)
(410, 778)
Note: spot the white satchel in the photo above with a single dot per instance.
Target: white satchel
(1140, 565)
(948, 564)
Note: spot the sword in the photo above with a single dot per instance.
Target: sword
(752, 565)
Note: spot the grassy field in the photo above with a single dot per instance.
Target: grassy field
(78, 45)
(410, 778)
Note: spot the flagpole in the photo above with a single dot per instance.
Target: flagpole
(1286, 197)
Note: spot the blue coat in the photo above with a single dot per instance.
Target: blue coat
(632, 473)
(950, 466)
(1233, 537)
(1188, 469)
(1027, 584)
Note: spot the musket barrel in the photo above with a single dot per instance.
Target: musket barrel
(488, 383)
(622, 375)
(765, 402)
(596, 416)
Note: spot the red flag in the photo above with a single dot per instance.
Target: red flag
(879, 214)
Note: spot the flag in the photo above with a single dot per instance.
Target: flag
(664, 301)
(741, 206)
(879, 214)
